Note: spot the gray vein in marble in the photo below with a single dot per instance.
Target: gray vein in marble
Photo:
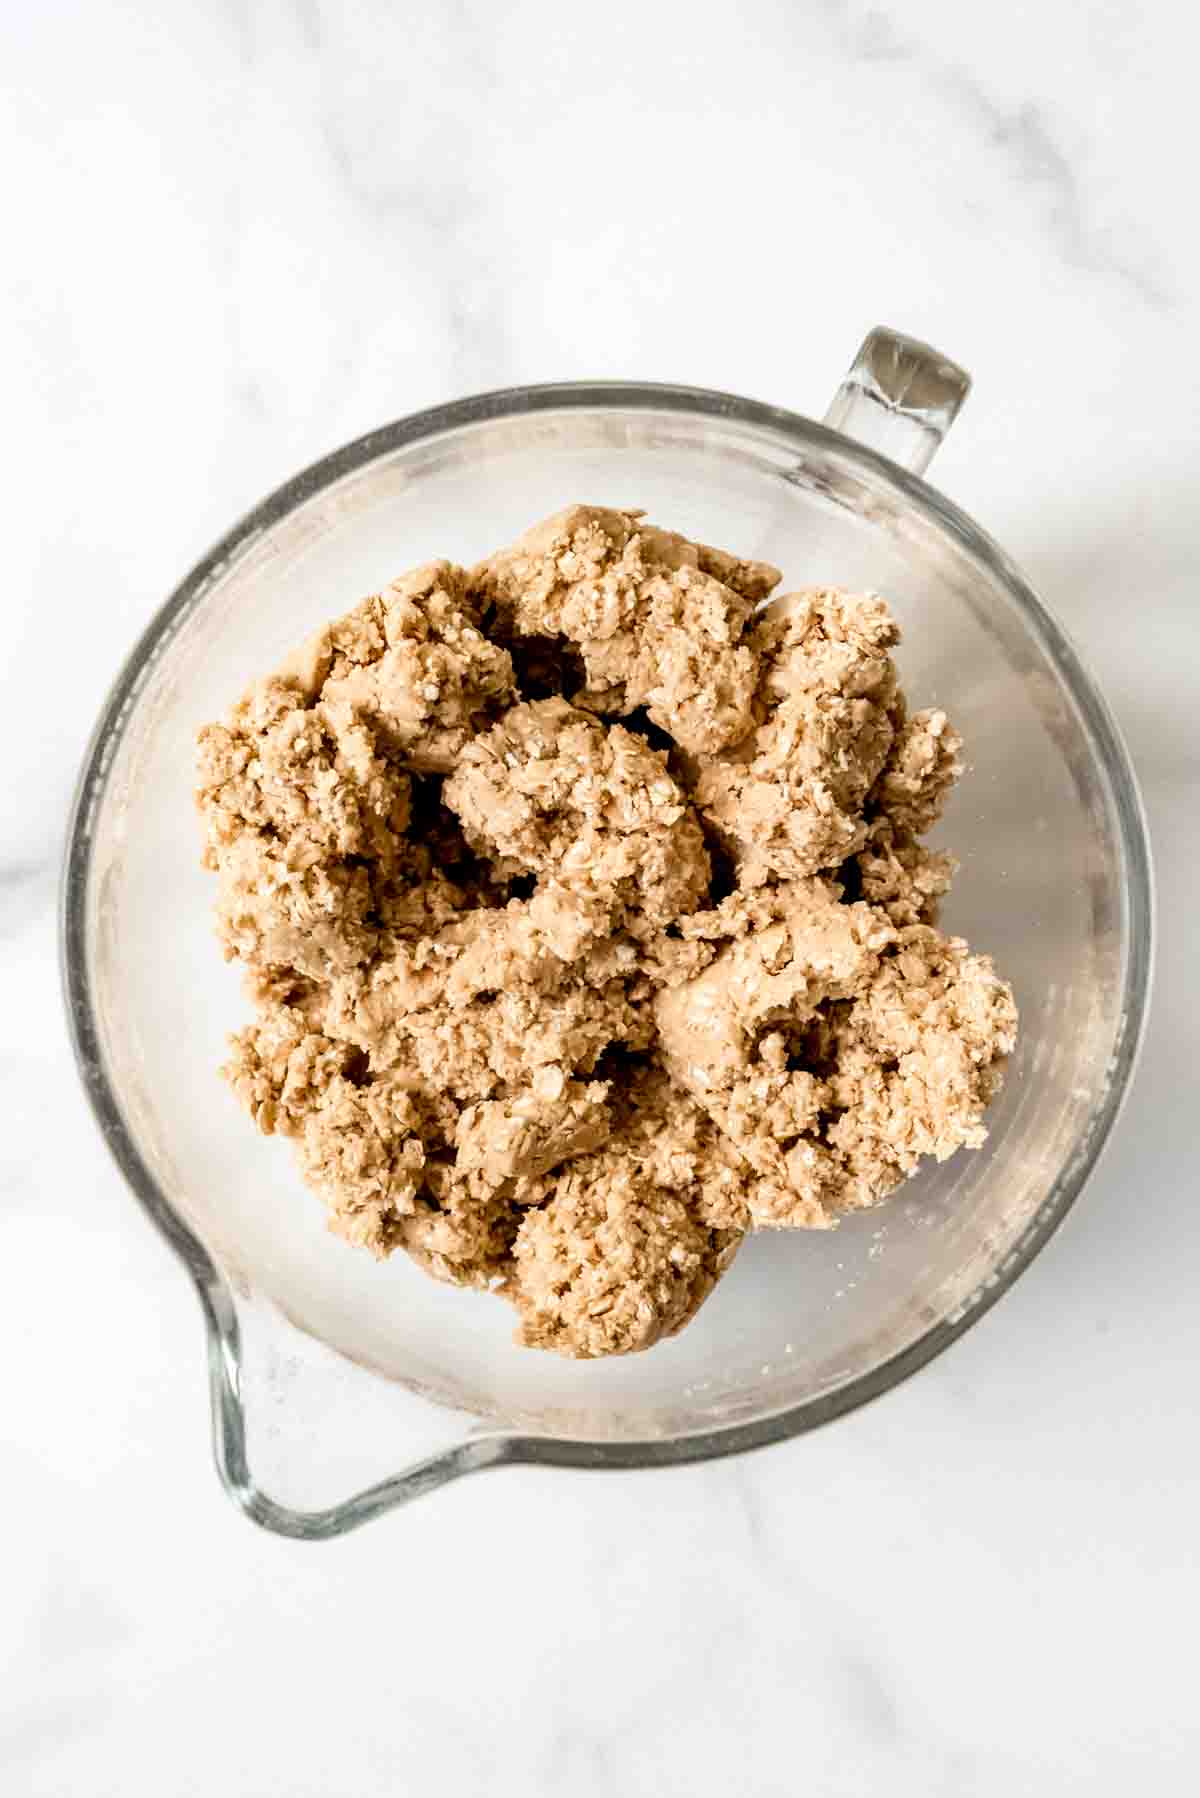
(577, 1759)
(76, 1627)
(868, 1697)
(39, 1729)
(450, 203)
(870, 1701)
(308, 17)
(746, 1495)
(1022, 134)
(238, 16)
(26, 891)
(876, 37)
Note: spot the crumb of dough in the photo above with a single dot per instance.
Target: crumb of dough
(589, 806)
(658, 621)
(360, 1140)
(300, 812)
(472, 1024)
(462, 1240)
(612, 1263)
(900, 874)
(504, 1144)
(673, 1145)
(835, 1051)
(922, 765)
(789, 800)
(587, 921)
(728, 1037)
(413, 662)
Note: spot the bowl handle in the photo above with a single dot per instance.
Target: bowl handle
(900, 398)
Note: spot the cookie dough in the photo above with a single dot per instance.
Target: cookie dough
(588, 924)
(659, 622)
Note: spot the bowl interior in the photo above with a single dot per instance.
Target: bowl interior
(1042, 887)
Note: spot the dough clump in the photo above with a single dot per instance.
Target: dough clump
(588, 924)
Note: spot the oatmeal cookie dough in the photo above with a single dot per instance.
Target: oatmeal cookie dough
(788, 800)
(590, 809)
(835, 1050)
(588, 923)
(614, 1262)
(659, 622)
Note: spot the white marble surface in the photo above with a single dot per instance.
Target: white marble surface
(237, 234)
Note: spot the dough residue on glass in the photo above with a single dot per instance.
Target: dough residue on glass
(588, 923)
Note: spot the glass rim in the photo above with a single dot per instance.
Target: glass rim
(488, 1446)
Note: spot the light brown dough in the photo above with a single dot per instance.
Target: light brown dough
(504, 1011)
(587, 807)
(789, 800)
(612, 1263)
(735, 1036)
(413, 662)
(658, 621)
(505, 1144)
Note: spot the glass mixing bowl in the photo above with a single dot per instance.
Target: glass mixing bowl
(329, 1371)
